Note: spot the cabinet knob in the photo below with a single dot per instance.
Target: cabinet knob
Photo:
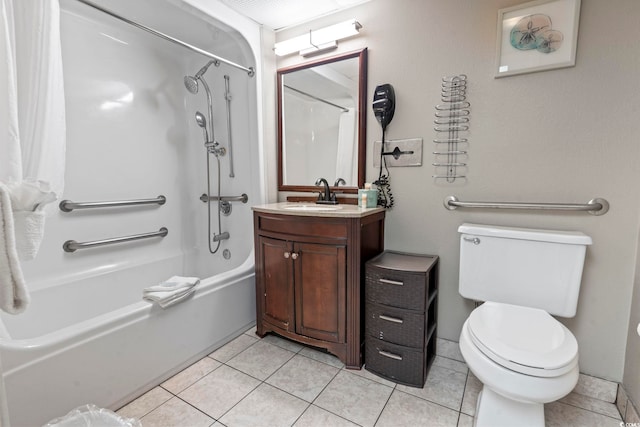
(294, 256)
(287, 254)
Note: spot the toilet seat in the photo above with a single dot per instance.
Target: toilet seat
(523, 339)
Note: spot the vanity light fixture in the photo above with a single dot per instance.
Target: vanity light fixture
(319, 40)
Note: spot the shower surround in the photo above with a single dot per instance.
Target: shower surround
(88, 337)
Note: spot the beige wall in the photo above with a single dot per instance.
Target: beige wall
(565, 135)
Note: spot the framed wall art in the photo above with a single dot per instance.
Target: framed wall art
(537, 36)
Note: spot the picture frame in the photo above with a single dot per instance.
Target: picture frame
(537, 36)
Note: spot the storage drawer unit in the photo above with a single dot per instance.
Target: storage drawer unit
(401, 294)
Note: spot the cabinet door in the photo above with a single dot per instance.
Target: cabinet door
(320, 288)
(277, 301)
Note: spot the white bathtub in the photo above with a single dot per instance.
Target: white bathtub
(58, 361)
(87, 336)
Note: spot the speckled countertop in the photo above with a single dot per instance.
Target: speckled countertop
(312, 209)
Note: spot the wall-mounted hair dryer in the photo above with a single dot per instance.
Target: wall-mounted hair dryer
(384, 104)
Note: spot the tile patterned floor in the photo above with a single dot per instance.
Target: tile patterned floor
(276, 382)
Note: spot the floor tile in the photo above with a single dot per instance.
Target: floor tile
(233, 348)
(176, 413)
(283, 343)
(591, 404)
(303, 377)
(318, 417)
(145, 403)
(596, 388)
(372, 376)
(407, 410)
(471, 391)
(452, 364)
(261, 360)
(193, 373)
(355, 398)
(265, 406)
(621, 401)
(465, 421)
(562, 415)
(448, 349)
(443, 386)
(219, 391)
(322, 356)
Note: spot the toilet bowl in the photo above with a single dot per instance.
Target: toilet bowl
(524, 358)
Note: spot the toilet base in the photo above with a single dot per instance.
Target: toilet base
(495, 410)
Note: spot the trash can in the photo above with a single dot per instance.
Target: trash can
(92, 416)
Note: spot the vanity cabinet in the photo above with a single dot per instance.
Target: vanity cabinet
(310, 275)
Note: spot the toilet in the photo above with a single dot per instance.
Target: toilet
(522, 355)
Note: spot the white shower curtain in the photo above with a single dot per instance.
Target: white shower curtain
(32, 134)
(347, 153)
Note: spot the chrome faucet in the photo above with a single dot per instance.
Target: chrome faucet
(328, 198)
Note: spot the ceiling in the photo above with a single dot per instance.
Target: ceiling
(279, 14)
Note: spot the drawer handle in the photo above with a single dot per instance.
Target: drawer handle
(391, 282)
(390, 355)
(287, 255)
(390, 319)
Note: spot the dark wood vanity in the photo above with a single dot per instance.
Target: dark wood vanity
(310, 274)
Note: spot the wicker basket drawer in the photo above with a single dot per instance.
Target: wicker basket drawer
(395, 288)
(395, 325)
(397, 363)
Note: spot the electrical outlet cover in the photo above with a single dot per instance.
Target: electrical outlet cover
(409, 152)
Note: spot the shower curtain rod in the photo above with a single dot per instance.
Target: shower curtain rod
(344, 110)
(250, 71)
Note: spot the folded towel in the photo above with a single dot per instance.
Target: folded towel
(171, 291)
(14, 297)
(174, 283)
(171, 299)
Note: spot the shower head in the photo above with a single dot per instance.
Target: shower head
(202, 122)
(191, 83)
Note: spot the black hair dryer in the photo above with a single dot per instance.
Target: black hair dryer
(384, 104)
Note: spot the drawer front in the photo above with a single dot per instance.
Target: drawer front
(304, 226)
(397, 363)
(395, 325)
(395, 288)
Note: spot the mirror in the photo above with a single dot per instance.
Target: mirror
(322, 123)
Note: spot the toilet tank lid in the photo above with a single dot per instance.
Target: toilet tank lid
(552, 236)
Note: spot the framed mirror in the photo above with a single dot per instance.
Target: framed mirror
(322, 123)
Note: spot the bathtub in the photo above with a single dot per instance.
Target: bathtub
(58, 361)
(87, 336)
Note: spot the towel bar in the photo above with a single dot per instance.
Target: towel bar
(595, 206)
(72, 245)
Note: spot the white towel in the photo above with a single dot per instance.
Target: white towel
(168, 301)
(171, 291)
(28, 198)
(14, 297)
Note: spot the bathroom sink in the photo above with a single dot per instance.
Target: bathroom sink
(312, 208)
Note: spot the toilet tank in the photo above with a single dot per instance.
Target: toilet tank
(521, 266)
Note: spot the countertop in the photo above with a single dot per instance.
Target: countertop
(317, 210)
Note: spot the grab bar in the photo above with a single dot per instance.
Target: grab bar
(72, 245)
(595, 206)
(242, 198)
(68, 205)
